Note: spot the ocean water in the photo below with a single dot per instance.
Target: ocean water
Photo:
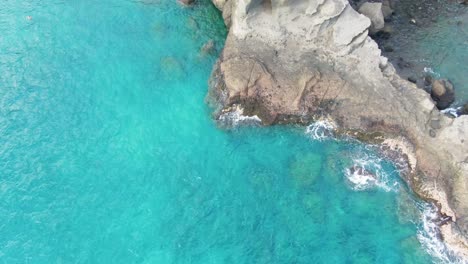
(436, 45)
(109, 154)
(444, 48)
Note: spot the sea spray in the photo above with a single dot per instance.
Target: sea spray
(236, 117)
(452, 111)
(321, 130)
(368, 173)
(429, 237)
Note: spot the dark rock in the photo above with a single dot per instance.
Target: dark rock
(442, 93)
(385, 33)
(355, 169)
(444, 219)
(403, 64)
(381, 35)
(388, 48)
(463, 110)
(186, 2)
(412, 79)
(428, 79)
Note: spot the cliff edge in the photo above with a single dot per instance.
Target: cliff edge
(304, 60)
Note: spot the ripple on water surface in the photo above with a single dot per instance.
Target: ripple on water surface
(108, 153)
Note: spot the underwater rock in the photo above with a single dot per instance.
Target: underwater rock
(171, 68)
(208, 48)
(443, 93)
(305, 169)
(186, 2)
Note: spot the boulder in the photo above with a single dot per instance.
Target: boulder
(171, 68)
(387, 9)
(442, 93)
(374, 12)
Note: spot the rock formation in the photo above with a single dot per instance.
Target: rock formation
(374, 12)
(304, 60)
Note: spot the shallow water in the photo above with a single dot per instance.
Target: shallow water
(108, 153)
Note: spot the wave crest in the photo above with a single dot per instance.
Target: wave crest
(429, 237)
(236, 117)
(321, 130)
(367, 173)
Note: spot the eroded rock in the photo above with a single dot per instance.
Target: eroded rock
(374, 12)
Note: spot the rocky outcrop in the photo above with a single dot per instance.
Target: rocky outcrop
(374, 12)
(299, 61)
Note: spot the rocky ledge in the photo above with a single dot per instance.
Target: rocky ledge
(305, 60)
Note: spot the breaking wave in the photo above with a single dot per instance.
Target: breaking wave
(451, 111)
(431, 71)
(367, 173)
(321, 130)
(236, 117)
(429, 237)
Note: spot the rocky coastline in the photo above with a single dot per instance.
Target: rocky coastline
(307, 60)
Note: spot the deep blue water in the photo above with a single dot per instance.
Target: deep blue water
(109, 154)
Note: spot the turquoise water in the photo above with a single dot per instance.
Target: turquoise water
(108, 153)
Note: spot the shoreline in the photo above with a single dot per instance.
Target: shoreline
(335, 71)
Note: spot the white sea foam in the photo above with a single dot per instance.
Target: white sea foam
(367, 173)
(236, 117)
(451, 111)
(428, 235)
(431, 71)
(321, 130)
